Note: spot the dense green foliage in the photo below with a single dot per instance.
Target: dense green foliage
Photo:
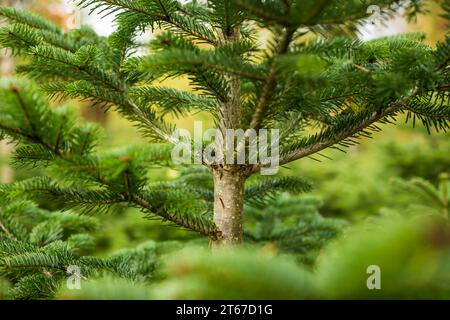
(37, 247)
(312, 79)
(412, 254)
(40, 251)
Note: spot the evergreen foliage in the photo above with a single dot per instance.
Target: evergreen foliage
(292, 225)
(312, 79)
(41, 251)
(190, 276)
(37, 249)
(355, 84)
(430, 199)
(412, 253)
(403, 248)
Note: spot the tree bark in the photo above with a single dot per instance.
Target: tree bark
(229, 180)
(228, 206)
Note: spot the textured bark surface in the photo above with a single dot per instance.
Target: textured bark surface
(229, 181)
(228, 207)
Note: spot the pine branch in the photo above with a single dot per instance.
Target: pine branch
(174, 18)
(190, 223)
(34, 21)
(101, 78)
(5, 230)
(170, 100)
(262, 11)
(260, 191)
(331, 138)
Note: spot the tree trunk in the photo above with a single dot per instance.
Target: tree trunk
(229, 180)
(228, 206)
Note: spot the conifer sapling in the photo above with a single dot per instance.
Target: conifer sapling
(251, 64)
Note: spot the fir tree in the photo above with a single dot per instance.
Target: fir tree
(323, 93)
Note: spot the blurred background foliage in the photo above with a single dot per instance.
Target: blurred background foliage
(370, 193)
